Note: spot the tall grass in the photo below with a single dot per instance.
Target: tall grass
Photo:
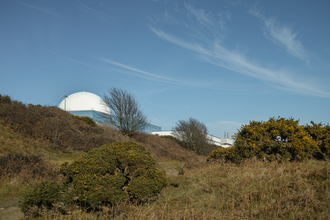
(253, 190)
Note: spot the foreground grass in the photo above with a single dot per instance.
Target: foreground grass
(253, 190)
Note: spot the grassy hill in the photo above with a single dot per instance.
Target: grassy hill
(35, 140)
(40, 136)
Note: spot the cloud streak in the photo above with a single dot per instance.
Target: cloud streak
(210, 49)
(40, 9)
(136, 72)
(150, 76)
(281, 35)
(94, 13)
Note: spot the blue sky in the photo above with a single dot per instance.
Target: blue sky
(223, 62)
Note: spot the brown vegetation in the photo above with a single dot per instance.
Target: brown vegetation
(53, 125)
(252, 189)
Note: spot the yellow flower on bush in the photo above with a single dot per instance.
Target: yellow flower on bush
(115, 170)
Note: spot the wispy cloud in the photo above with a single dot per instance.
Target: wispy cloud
(95, 13)
(39, 8)
(136, 72)
(218, 55)
(210, 48)
(150, 76)
(78, 62)
(282, 35)
(196, 21)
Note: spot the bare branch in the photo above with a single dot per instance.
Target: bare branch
(192, 133)
(125, 111)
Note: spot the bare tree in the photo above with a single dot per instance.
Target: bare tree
(193, 134)
(125, 112)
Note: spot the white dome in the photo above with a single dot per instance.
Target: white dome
(84, 101)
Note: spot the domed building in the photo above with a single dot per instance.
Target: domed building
(84, 104)
(91, 105)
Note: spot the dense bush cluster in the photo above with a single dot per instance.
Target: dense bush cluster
(277, 139)
(5, 99)
(110, 175)
(321, 134)
(54, 125)
(44, 195)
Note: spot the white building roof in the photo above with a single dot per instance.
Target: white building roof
(84, 101)
(213, 139)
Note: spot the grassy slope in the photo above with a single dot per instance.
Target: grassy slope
(167, 153)
(253, 190)
(11, 142)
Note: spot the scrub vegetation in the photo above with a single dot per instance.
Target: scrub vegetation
(281, 171)
(277, 139)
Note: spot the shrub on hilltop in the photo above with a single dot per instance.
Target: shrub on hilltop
(109, 175)
(321, 134)
(5, 99)
(275, 139)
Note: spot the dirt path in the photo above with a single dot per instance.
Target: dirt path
(10, 211)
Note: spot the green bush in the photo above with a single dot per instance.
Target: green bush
(85, 119)
(321, 134)
(5, 99)
(225, 154)
(110, 175)
(276, 139)
(43, 195)
(115, 173)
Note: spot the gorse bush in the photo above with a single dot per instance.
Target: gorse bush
(85, 119)
(276, 139)
(321, 134)
(43, 195)
(114, 173)
(5, 99)
(225, 154)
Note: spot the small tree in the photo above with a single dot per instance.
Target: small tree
(125, 112)
(192, 134)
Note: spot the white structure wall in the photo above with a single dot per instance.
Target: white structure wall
(214, 140)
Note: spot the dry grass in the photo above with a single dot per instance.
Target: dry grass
(166, 150)
(53, 125)
(253, 190)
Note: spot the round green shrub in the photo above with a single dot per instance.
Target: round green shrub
(229, 154)
(43, 194)
(85, 119)
(5, 99)
(275, 139)
(114, 174)
(321, 134)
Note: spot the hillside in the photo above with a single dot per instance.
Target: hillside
(54, 136)
(33, 144)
